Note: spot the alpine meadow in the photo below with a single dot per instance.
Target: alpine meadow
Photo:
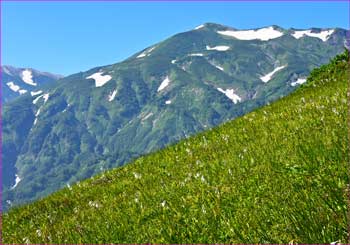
(278, 174)
(175, 122)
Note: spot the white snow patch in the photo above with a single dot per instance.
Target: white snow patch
(147, 116)
(37, 98)
(199, 27)
(218, 48)
(323, 35)
(112, 95)
(164, 84)
(100, 79)
(268, 76)
(17, 180)
(33, 93)
(16, 88)
(168, 102)
(46, 97)
(27, 77)
(196, 54)
(13, 86)
(230, 93)
(219, 67)
(299, 81)
(263, 34)
(37, 113)
(146, 53)
(141, 55)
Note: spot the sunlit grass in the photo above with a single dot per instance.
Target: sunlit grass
(275, 175)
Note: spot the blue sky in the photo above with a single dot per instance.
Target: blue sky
(68, 37)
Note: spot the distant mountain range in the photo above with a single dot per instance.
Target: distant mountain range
(106, 116)
(19, 81)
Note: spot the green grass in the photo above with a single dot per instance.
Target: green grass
(276, 175)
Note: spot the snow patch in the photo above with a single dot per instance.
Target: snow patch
(323, 35)
(33, 93)
(146, 53)
(262, 34)
(230, 93)
(46, 97)
(37, 113)
(299, 81)
(27, 77)
(196, 54)
(268, 76)
(218, 48)
(147, 116)
(168, 102)
(199, 27)
(112, 95)
(220, 68)
(37, 98)
(16, 88)
(164, 84)
(100, 79)
(22, 91)
(17, 180)
(13, 86)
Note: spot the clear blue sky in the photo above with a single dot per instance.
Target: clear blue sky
(68, 37)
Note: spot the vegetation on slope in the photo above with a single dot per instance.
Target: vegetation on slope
(77, 132)
(276, 175)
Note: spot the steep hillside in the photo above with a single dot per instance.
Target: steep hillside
(18, 81)
(104, 117)
(276, 175)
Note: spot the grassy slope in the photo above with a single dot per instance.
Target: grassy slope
(272, 176)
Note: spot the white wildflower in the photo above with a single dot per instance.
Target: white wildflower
(26, 240)
(137, 175)
(94, 204)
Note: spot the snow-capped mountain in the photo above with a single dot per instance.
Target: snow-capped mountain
(19, 81)
(101, 118)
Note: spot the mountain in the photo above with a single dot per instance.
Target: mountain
(276, 175)
(19, 81)
(104, 117)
